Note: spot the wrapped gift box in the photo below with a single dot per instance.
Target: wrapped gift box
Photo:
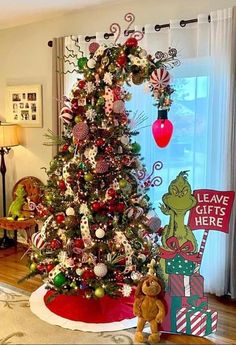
(195, 321)
(174, 303)
(184, 285)
(179, 265)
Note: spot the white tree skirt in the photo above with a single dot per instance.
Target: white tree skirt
(39, 308)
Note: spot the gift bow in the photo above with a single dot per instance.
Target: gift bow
(184, 250)
(193, 307)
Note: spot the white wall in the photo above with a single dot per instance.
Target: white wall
(25, 58)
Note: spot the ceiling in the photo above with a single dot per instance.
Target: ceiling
(20, 12)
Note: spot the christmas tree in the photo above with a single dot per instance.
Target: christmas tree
(97, 219)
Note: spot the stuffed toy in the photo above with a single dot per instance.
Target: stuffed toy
(148, 307)
(15, 209)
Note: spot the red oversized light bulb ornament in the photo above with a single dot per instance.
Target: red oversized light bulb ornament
(162, 129)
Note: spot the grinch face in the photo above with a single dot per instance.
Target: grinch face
(151, 287)
(20, 191)
(179, 197)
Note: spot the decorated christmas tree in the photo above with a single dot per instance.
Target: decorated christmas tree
(97, 219)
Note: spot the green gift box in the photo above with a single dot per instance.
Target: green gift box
(180, 265)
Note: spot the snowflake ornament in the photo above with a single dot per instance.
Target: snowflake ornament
(90, 87)
(108, 78)
(126, 290)
(90, 114)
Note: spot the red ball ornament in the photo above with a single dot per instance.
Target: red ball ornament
(109, 149)
(49, 267)
(122, 262)
(120, 207)
(121, 60)
(162, 129)
(65, 148)
(111, 208)
(111, 192)
(55, 244)
(100, 142)
(131, 42)
(96, 206)
(70, 180)
(41, 267)
(60, 218)
(78, 243)
(79, 174)
(119, 276)
(88, 274)
(62, 185)
(81, 84)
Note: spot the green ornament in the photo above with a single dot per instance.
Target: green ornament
(129, 233)
(73, 285)
(78, 119)
(99, 292)
(101, 101)
(136, 147)
(82, 62)
(82, 165)
(71, 148)
(48, 197)
(88, 177)
(112, 68)
(59, 279)
(122, 183)
(53, 164)
(33, 267)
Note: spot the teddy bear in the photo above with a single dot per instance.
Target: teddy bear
(148, 307)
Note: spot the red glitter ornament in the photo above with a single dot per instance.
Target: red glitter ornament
(49, 267)
(120, 207)
(121, 60)
(101, 166)
(131, 42)
(78, 243)
(41, 267)
(60, 218)
(81, 84)
(62, 185)
(55, 244)
(80, 131)
(100, 142)
(96, 206)
(111, 192)
(88, 274)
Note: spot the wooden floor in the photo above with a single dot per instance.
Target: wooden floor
(13, 267)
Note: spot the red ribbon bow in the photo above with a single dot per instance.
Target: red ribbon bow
(184, 250)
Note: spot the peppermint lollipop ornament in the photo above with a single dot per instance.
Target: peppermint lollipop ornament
(160, 78)
(80, 131)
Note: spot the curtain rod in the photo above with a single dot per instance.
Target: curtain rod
(157, 28)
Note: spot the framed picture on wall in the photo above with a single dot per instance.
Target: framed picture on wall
(24, 105)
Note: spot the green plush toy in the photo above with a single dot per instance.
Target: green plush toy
(15, 209)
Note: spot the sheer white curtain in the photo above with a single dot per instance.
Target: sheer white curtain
(201, 117)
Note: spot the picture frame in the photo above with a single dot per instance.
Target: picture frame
(24, 105)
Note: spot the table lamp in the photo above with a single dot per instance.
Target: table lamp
(8, 139)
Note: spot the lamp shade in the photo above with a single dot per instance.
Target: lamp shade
(8, 135)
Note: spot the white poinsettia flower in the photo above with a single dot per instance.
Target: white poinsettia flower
(90, 87)
(90, 114)
(126, 290)
(108, 78)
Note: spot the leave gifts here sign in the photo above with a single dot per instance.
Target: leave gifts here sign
(212, 211)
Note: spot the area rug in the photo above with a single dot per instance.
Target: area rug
(20, 326)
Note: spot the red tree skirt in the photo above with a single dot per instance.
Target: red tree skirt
(101, 310)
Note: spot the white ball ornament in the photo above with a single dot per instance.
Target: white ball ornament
(143, 53)
(70, 211)
(91, 63)
(100, 233)
(79, 271)
(100, 270)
